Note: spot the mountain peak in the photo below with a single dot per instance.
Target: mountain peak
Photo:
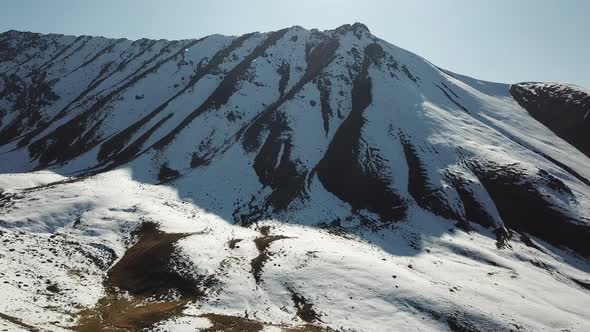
(360, 26)
(356, 27)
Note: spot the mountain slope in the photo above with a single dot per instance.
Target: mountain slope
(260, 146)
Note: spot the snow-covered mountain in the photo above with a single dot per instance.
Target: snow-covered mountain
(296, 180)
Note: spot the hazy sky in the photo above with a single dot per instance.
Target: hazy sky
(496, 40)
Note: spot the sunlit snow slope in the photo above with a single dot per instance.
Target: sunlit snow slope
(292, 180)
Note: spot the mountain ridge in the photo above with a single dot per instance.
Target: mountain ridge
(275, 142)
(50, 146)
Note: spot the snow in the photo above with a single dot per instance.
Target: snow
(365, 275)
(26, 180)
(180, 324)
(346, 278)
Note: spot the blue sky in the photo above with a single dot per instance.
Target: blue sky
(496, 40)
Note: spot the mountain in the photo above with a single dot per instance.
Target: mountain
(295, 180)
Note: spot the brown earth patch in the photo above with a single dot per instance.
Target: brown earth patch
(119, 313)
(156, 291)
(309, 328)
(264, 230)
(231, 324)
(145, 269)
(262, 243)
(242, 324)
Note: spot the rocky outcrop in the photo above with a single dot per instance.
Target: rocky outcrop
(563, 109)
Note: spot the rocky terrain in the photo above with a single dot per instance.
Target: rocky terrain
(295, 180)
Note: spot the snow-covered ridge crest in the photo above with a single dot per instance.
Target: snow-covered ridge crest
(255, 165)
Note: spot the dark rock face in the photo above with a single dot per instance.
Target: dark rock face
(55, 147)
(474, 209)
(524, 206)
(28, 99)
(342, 171)
(116, 143)
(563, 109)
(424, 193)
(273, 163)
(327, 113)
(225, 89)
